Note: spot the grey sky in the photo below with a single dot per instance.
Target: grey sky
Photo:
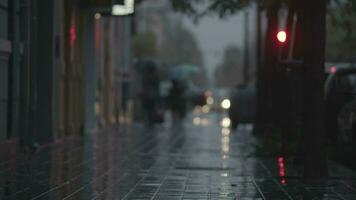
(215, 34)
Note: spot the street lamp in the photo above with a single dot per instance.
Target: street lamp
(126, 9)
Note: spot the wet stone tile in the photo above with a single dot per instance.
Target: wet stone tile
(193, 162)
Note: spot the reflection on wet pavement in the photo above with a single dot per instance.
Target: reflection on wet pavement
(202, 159)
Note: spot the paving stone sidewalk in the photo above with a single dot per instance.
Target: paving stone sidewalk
(197, 160)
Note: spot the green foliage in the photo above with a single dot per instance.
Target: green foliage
(198, 8)
(169, 41)
(221, 7)
(186, 6)
(341, 28)
(181, 47)
(341, 31)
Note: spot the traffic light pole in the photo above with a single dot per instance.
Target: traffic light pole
(288, 79)
(246, 67)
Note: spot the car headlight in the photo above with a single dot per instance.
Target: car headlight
(226, 104)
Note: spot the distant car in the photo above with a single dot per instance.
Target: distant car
(217, 96)
(197, 99)
(340, 106)
(243, 105)
(195, 95)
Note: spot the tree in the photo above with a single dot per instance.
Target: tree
(167, 40)
(267, 99)
(341, 31)
(181, 47)
(313, 17)
(265, 70)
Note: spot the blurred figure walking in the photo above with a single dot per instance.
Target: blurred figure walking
(150, 92)
(177, 100)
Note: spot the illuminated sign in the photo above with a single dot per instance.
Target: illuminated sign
(126, 9)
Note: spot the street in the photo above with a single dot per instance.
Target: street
(198, 159)
(177, 99)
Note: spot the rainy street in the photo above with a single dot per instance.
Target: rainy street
(177, 99)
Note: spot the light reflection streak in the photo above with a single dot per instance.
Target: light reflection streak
(224, 174)
(225, 144)
(226, 122)
(205, 122)
(282, 170)
(196, 121)
(210, 101)
(201, 121)
(197, 110)
(206, 109)
(225, 132)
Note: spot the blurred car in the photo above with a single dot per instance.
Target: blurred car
(217, 97)
(198, 99)
(196, 96)
(243, 105)
(340, 106)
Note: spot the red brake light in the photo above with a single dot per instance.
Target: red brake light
(333, 69)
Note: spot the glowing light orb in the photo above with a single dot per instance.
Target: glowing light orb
(282, 36)
(226, 104)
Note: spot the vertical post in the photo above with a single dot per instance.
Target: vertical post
(33, 68)
(14, 71)
(90, 72)
(57, 66)
(259, 79)
(268, 70)
(246, 67)
(126, 81)
(314, 35)
(5, 52)
(44, 72)
(292, 40)
(258, 37)
(24, 24)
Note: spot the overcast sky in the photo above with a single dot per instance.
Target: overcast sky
(215, 34)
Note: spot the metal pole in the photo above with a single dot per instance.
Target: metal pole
(246, 66)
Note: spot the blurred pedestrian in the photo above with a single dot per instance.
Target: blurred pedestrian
(150, 91)
(177, 100)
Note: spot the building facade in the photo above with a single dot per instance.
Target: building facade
(61, 66)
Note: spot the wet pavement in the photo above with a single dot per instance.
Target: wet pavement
(198, 159)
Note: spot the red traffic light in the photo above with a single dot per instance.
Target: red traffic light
(282, 36)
